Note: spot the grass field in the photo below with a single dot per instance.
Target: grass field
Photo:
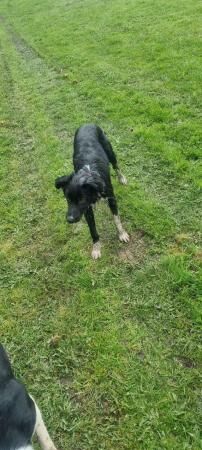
(110, 349)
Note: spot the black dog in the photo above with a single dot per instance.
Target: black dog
(20, 417)
(91, 181)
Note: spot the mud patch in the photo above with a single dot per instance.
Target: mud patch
(186, 362)
(136, 251)
(67, 381)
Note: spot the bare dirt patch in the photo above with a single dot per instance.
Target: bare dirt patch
(186, 362)
(137, 249)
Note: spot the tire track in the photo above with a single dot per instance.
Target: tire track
(22, 46)
(22, 165)
(20, 133)
(48, 78)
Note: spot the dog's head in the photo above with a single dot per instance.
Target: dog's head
(81, 190)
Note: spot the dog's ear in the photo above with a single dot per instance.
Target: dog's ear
(62, 182)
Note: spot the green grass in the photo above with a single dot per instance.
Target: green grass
(110, 349)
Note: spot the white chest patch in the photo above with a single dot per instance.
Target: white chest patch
(87, 166)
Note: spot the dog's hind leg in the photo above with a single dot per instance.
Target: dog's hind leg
(89, 216)
(42, 432)
(106, 144)
(123, 235)
(122, 179)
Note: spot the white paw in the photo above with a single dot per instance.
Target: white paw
(124, 237)
(122, 179)
(96, 252)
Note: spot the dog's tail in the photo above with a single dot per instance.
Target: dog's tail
(5, 366)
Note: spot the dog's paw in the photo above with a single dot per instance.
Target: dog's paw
(96, 252)
(124, 237)
(122, 179)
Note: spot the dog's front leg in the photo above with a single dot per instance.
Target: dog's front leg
(123, 235)
(42, 432)
(96, 252)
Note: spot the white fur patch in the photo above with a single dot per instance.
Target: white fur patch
(122, 179)
(28, 447)
(42, 432)
(123, 236)
(87, 166)
(96, 252)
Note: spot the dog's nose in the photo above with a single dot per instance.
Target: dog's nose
(70, 219)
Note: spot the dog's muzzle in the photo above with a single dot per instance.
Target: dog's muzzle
(72, 219)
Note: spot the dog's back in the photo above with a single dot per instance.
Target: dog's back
(17, 410)
(87, 135)
(89, 148)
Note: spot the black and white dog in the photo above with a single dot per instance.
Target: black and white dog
(20, 417)
(91, 181)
